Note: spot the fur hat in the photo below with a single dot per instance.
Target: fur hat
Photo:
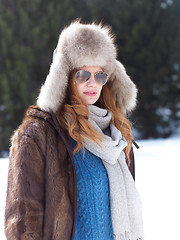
(85, 45)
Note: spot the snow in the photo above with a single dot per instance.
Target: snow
(157, 180)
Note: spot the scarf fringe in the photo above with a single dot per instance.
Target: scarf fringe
(126, 236)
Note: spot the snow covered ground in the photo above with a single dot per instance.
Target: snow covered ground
(157, 179)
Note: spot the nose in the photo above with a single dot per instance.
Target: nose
(91, 81)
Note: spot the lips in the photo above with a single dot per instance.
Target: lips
(90, 93)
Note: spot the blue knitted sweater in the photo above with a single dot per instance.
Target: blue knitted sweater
(93, 220)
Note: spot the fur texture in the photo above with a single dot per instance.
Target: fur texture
(41, 193)
(85, 45)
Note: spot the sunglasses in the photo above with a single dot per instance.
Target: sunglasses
(83, 76)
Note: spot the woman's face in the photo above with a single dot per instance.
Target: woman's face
(90, 90)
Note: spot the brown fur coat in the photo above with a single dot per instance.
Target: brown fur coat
(41, 194)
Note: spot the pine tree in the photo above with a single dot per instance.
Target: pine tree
(29, 31)
(15, 67)
(145, 36)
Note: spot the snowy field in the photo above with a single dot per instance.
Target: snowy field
(157, 179)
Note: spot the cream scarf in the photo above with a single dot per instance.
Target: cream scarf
(124, 198)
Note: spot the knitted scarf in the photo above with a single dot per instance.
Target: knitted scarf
(124, 198)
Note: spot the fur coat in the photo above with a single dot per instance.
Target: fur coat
(41, 194)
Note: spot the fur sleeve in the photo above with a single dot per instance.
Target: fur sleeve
(25, 192)
(132, 163)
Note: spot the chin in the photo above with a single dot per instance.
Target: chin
(90, 101)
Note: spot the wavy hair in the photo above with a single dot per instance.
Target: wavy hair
(74, 117)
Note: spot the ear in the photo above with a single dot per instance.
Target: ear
(53, 91)
(123, 88)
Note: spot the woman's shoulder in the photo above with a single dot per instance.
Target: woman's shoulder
(35, 126)
(35, 138)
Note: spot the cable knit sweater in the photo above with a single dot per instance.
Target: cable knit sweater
(93, 204)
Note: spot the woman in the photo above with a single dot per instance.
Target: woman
(68, 177)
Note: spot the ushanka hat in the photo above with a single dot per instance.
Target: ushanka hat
(86, 45)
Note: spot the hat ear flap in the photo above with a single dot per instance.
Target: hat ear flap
(123, 88)
(53, 91)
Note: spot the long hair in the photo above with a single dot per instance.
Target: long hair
(74, 117)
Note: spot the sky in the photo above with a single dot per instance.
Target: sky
(157, 164)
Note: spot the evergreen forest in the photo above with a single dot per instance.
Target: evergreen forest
(148, 40)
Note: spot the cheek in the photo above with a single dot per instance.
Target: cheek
(100, 89)
(78, 88)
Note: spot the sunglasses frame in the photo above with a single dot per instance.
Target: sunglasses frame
(94, 74)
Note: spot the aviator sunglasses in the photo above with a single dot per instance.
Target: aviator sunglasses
(83, 76)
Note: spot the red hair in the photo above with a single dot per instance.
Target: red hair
(74, 117)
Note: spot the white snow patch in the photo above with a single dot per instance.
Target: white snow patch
(157, 179)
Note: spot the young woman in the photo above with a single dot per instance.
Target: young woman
(70, 158)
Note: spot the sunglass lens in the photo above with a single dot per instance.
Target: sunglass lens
(101, 78)
(82, 76)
